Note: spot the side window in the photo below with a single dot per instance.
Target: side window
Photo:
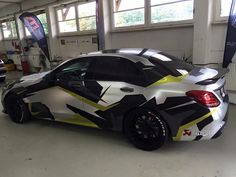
(114, 69)
(73, 71)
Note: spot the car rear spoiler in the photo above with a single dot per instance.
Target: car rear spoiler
(221, 74)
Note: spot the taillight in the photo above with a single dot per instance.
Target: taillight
(204, 97)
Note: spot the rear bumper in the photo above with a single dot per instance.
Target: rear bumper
(220, 118)
(207, 127)
(220, 131)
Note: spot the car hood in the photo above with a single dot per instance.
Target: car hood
(31, 79)
(34, 76)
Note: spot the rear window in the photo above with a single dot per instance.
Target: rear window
(170, 64)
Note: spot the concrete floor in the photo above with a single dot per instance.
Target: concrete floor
(47, 149)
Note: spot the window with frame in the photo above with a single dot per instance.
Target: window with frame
(128, 13)
(79, 17)
(87, 16)
(74, 70)
(9, 29)
(71, 76)
(67, 19)
(43, 19)
(225, 6)
(109, 68)
(171, 10)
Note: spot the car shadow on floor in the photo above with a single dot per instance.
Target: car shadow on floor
(107, 135)
(116, 138)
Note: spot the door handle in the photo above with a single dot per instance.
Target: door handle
(127, 89)
(75, 84)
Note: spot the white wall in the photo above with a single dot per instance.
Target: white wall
(218, 37)
(75, 46)
(177, 41)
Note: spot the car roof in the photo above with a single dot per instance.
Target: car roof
(133, 54)
(142, 52)
(147, 57)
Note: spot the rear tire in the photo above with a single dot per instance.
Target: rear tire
(17, 109)
(145, 129)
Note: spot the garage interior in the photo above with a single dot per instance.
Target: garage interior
(192, 30)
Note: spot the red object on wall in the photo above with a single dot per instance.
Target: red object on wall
(25, 67)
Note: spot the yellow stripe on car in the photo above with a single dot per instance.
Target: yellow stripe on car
(79, 120)
(89, 102)
(190, 124)
(30, 109)
(168, 79)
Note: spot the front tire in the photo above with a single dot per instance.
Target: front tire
(17, 109)
(145, 129)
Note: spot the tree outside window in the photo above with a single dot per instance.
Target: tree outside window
(128, 13)
(87, 16)
(67, 20)
(171, 10)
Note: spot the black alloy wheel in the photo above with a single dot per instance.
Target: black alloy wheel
(145, 129)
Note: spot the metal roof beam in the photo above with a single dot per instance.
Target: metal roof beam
(10, 2)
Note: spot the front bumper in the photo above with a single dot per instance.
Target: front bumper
(2, 72)
(3, 104)
(5, 91)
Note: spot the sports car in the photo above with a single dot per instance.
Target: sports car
(147, 94)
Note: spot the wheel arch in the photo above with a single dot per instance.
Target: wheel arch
(148, 109)
(5, 98)
(13, 100)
